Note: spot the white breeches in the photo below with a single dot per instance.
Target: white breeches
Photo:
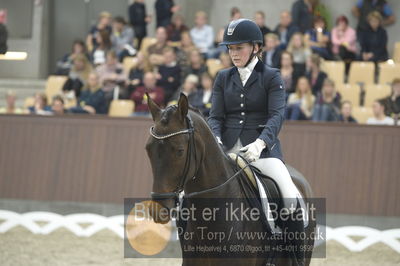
(276, 169)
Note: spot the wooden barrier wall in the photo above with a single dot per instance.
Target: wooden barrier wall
(101, 159)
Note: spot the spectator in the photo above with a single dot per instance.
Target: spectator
(288, 72)
(235, 13)
(364, 7)
(196, 65)
(345, 113)
(272, 52)
(373, 40)
(136, 74)
(183, 53)
(314, 74)
(111, 75)
(302, 15)
(65, 64)
(202, 34)
(155, 51)
(164, 11)
(104, 45)
(327, 105)
(217, 49)
(285, 29)
(122, 38)
(3, 32)
(40, 106)
(78, 76)
(300, 52)
(259, 19)
(189, 86)
(139, 20)
(102, 24)
(392, 102)
(140, 98)
(317, 38)
(58, 107)
(201, 99)
(175, 29)
(10, 107)
(93, 100)
(169, 74)
(379, 117)
(301, 102)
(344, 41)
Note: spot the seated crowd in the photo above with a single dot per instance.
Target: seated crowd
(177, 61)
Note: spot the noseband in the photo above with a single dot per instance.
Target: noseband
(184, 176)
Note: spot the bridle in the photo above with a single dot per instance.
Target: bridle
(176, 194)
(185, 174)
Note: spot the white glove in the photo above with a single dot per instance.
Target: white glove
(219, 140)
(253, 151)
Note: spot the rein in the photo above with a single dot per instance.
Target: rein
(184, 177)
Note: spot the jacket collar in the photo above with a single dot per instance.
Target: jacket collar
(253, 77)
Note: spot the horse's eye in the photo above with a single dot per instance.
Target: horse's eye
(180, 152)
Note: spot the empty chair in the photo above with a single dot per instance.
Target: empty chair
(362, 72)
(146, 42)
(349, 92)
(54, 86)
(128, 63)
(335, 70)
(396, 52)
(388, 71)
(28, 102)
(214, 65)
(121, 108)
(361, 114)
(375, 92)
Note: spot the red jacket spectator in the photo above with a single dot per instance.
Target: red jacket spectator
(139, 95)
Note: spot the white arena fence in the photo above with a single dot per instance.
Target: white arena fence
(46, 222)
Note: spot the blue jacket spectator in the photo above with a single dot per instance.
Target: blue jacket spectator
(364, 7)
(138, 19)
(285, 29)
(373, 40)
(302, 15)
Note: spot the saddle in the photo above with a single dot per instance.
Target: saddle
(266, 188)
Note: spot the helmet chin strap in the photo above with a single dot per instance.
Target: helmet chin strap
(251, 57)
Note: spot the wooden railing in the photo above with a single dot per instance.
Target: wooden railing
(102, 159)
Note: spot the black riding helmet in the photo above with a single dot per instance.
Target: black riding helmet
(243, 31)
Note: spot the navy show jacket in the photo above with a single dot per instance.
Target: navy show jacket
(250, 112)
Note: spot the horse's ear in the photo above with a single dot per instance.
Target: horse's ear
(183, 106)
(155, 110)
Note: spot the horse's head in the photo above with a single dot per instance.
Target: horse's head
(171, 152)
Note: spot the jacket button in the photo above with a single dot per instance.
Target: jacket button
(242, 113)
(241, 122)
(241, 105)
(241, 95)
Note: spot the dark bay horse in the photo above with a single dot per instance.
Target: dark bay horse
(185, 157)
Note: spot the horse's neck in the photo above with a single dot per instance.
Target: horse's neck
(215, 167)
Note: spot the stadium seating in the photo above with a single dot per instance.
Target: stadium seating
(121, 108)
(362, 72)
(350, 92)
(361, 114)
(214, 65)
(388, 71)
(335, 70)
(129, 63)
(375, 92)
(54, 86)
(146, 42)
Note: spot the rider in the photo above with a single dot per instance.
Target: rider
(247, 111)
